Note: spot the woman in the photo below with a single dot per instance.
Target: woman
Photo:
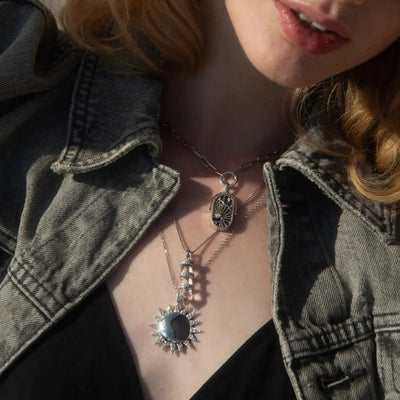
(96, 219)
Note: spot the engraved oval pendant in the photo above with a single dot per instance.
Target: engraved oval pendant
(175, 328)
(223, 209)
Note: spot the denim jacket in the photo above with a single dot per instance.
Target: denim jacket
(80, 184)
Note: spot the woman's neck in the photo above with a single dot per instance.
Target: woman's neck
(226, 108)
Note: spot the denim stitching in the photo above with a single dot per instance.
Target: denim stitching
(6, 233)
(95, 283)
(385, 314)
(82, 100)
(6, 249)
(380, 364)
(331, 348)
(117, 148)
(388, 328)
(44, 311)
(346, 191)
(83, 209)
(275, 200)
(338, 197)
(7, 237)
(21, 264)
(80, 103)
(335, 328)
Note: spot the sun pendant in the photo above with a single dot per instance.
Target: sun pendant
(175, 328)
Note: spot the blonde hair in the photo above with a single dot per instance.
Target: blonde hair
(362, 106)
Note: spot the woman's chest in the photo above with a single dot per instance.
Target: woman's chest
(232, 300)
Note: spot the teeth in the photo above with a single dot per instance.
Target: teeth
(304, 17)
(314, 25)
(317, 26)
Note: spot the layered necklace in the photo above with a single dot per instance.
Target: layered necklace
(223, 206)
(176, 326)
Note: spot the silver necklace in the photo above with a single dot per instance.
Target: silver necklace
(223, 207)
(176, 327)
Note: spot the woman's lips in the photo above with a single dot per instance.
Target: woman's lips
(303, 36)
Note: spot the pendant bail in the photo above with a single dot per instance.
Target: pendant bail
(225, 179)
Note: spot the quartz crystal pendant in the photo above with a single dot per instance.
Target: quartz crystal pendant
(187, 276)
(175, 328)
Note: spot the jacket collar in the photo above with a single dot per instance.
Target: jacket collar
(110, 116)
(329, 173)
(113, 114)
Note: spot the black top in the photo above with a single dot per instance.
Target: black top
(86, 356)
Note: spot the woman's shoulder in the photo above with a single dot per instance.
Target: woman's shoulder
(34, 55)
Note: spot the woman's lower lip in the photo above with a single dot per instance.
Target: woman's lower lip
(303, 37)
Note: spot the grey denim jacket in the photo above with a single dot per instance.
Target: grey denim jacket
(80, 184)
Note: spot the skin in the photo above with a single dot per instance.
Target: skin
(275, 57)
(231, 109)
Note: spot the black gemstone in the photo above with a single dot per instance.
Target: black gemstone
(175, 328)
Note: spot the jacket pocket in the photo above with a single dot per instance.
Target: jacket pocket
(347, 373)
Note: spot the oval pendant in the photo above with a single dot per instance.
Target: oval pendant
(223, 209)
(175, 328)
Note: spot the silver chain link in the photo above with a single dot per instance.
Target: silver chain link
(230, 235)
(221, 246)
(181, 239)
(208, 165)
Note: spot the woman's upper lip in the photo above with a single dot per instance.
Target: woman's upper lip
(317, 15)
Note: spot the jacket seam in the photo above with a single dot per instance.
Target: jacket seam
(357, 203)
(82, 100)
(333, 329)
(5, 233)
(32, 299)
(385, 314)
(275, 199)
(95, 283)
(8, 249)
(70, 220)
(118, 148)
(327, 349)
(78, 116)
(377, 227)
(387, 328)
(21, 264)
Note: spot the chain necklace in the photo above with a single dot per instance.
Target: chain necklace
(223, 207)
(175, 327)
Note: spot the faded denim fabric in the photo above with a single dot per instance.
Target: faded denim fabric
(80, 184)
